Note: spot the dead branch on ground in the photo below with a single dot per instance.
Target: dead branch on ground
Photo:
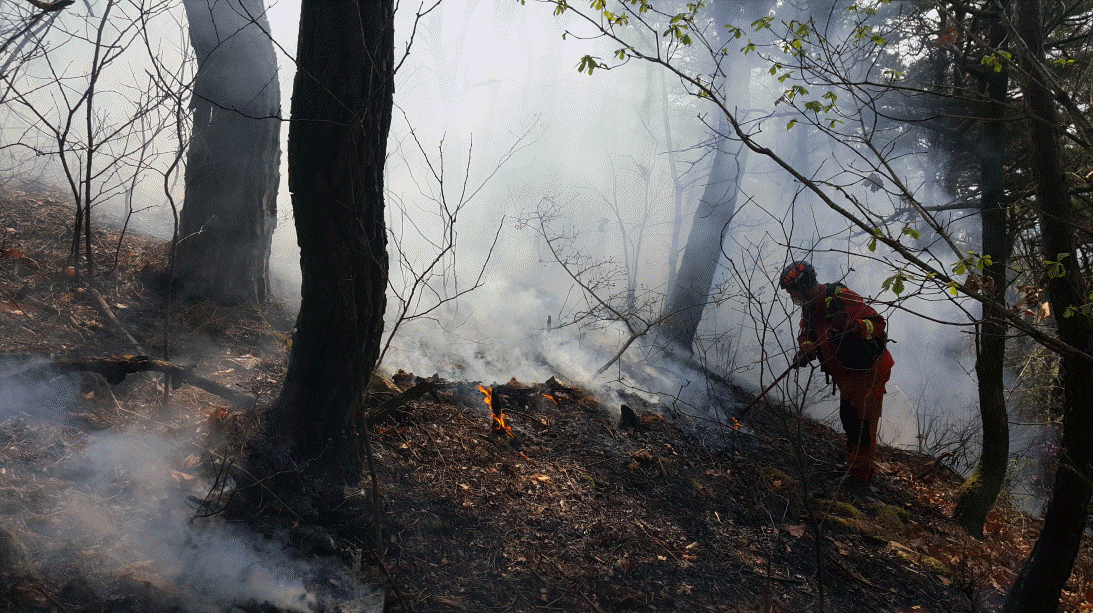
(115, 368)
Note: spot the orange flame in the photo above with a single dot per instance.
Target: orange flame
(499, 424)
(550, 398)
(488, 391)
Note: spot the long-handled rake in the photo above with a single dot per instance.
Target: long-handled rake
(745, 410)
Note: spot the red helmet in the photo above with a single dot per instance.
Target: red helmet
(798, 275)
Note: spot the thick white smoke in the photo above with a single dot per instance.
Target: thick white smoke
(126, 497)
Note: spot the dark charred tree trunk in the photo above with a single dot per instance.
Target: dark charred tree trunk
(1039, 584)
(981, 489)
(230, 209)
(689, 294)
(341, 113)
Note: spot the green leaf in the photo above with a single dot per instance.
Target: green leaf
(762, 23)
(1056, 270)
(589, 63)
(913, 233)
(872, 244)
(897, 287)
(792, 122)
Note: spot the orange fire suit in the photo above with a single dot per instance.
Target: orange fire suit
(851, 359)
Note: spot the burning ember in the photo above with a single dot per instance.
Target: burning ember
(499, 424)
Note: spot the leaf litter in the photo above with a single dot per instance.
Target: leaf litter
(567, 511)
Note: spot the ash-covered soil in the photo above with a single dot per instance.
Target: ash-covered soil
(104, 487)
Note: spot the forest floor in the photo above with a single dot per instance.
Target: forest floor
(101, 486)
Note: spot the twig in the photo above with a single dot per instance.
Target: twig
(16, 303)
(97, 301)
(41, 590)
(849, 574)
(394, 587)
(205, 507)
(658, 541)
(769, 577)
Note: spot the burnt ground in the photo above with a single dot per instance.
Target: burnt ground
(571, 513)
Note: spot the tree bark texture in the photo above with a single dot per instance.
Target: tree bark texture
(1039, 584)
(981, 489)
(230, 208)
(341, 113)
(690, 291)
(687, 298)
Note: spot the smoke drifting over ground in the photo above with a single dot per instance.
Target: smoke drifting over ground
(127, 500)
(26, 391)
(494, 120)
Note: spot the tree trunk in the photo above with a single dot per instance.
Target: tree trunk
(980, 491)
(687, 298)
(1041, 580)
(690, 291)
(341, 113)
(230, 208)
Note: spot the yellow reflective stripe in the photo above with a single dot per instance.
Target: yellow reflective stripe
(868, 329)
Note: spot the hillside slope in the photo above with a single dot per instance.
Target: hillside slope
(101, 485)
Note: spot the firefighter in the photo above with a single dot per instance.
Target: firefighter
(848, 339)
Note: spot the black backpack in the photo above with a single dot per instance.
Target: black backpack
(853, 352)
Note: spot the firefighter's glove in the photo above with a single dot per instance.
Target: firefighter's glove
(801, 359)
(842, 323)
